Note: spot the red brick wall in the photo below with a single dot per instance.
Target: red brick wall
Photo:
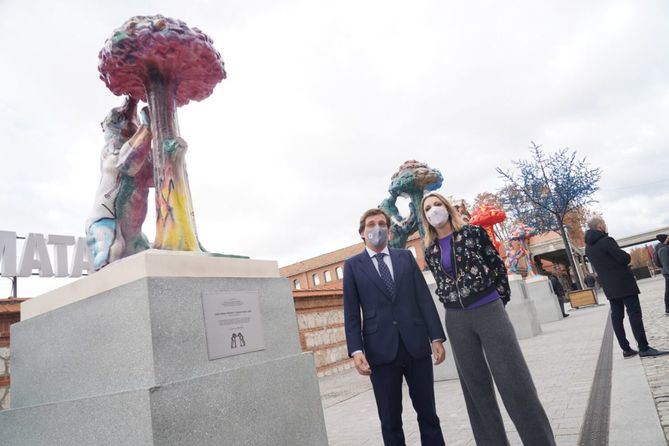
(6, 319)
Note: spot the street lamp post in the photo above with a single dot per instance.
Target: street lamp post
(14, 286)
(570, 256)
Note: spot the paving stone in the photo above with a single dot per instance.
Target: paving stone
(562, 361)
(656, 324)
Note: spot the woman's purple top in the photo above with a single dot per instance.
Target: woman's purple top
(446, 250)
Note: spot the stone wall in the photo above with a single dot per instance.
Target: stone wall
(4, 378)
(10, 312)
(320, 320)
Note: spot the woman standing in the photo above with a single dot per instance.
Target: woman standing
(473, 286)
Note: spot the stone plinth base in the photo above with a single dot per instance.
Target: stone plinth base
(129, 366)
(265, 404)
(521, 310)
(540, 292)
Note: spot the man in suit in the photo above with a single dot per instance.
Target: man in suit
(615, 275)
(398, 331)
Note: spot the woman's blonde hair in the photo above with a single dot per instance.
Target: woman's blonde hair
(457, 223)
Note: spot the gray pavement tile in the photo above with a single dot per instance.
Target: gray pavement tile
(562, 361)
(656, 324)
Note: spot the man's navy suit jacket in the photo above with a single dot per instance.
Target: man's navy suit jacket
(410, 313)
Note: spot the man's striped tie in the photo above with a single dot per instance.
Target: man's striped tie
(384, 271)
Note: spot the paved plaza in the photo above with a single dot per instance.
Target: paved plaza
(563, 360)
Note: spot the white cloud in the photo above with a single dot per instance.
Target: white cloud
(325, 100)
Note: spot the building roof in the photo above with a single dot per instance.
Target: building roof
(320, 261)
(326, 259)
(11, 305)
(318, 293)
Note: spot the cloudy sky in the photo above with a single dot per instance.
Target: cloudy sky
(324, 100)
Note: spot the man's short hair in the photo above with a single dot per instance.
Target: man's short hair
(595, 221)
(370, 213)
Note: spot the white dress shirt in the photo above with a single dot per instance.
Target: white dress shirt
(386, 260)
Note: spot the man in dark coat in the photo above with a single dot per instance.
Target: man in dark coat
(662, 260)
(615, 276)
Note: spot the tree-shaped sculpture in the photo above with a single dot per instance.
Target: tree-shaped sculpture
(547, 188)
(522, 233)
(167, 64)
(487, 217)
(412, 181)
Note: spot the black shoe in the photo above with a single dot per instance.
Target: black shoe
(566, 315)
(650, 351)
(629, 353)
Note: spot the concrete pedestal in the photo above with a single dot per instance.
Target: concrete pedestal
(446, 370)
(521, 310)
(545, 301)
(129, 365)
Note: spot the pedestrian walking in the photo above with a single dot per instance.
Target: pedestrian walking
(661, 259)
(616, 278)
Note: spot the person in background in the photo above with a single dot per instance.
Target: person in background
(590, 281)
(661, 259)
(616, 278)
(559, 291)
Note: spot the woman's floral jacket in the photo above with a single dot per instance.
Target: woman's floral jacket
(476, 265)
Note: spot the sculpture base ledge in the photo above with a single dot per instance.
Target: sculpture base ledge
(149, 263)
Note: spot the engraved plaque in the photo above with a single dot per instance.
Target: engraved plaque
(233, 323)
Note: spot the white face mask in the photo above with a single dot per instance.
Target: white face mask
(377, 236)
(437, 216)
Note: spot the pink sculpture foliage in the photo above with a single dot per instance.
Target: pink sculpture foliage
(523, 232)
(156, 43)
(167, 64)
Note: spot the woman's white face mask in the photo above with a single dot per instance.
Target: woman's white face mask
(437, 216)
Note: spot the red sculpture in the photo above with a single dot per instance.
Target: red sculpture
(487, 217)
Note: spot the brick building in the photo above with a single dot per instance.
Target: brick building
(320, 320)
(10, 312)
